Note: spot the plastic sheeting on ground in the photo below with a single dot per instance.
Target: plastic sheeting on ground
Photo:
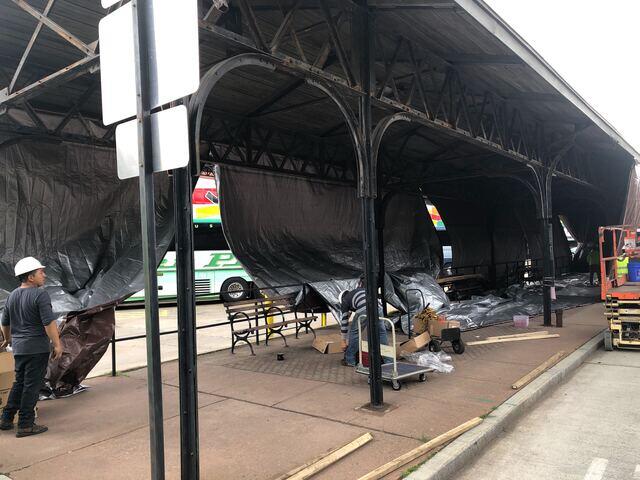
(436, 361)
(572, 290)
(64, 204)
(287, 230)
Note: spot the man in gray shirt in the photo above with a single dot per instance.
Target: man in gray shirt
(28, 325)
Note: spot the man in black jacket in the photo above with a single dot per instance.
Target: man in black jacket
(28, 325)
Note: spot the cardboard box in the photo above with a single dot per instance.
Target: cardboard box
(328, 343)
(7, 376)
(7, 373)
(4, 396)
(416, 343)
(436, 326)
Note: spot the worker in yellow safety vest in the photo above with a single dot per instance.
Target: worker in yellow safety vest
(593, 259)
(622, 264)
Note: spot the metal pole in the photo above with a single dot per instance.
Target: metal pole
(142, 14)
(187, 347)
(549, 274)
(373, 321)
(364, 37)
(113, 354)
(380, 206)
(547, 278)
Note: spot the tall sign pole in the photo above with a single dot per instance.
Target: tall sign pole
(149, 59)
(141, 36)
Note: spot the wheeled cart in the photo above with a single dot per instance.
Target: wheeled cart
(394, 371)
(451, 335)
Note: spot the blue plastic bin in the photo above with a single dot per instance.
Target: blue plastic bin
(634, 271)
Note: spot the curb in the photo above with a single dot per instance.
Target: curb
(470, 445)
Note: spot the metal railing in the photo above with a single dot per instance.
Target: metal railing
(507, 273)
(304, 306)
(252, 291)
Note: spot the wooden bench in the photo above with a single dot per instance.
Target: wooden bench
(269, 314)
(459, 287)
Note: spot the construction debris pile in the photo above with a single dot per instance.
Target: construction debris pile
(573, 290)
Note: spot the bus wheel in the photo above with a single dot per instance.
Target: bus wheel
(234, 289)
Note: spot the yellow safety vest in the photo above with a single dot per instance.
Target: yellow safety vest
(623, 266)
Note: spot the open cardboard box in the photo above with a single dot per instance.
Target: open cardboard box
(331, 343)
(416, 343)
(436, 326)
(7, 376)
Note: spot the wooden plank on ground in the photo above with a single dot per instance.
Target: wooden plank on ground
(550, 362)
(516, 335)
(311, 468)
(517, 339)
(285, 476)
(421, 450)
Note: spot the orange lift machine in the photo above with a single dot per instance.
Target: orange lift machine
(620, 284)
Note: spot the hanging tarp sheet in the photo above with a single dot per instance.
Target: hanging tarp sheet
(85, 338)
(632, 208)
(494, 222)
(63, 204)
(289, 231)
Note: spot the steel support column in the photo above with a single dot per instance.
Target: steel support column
(187, 350)
(141, 36)
(548, 263)
(544, 178)
(363, 43)
(380, 217)
(542, 196)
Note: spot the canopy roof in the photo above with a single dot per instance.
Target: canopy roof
(482, 101)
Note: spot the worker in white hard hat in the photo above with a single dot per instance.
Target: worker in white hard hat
(28, 325)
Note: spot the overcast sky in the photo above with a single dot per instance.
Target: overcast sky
(593, 45)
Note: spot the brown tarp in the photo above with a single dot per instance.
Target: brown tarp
(85, 338)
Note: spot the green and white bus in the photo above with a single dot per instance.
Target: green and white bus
(218, 274)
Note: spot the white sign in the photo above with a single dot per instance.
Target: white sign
(108, 3)
(170, 133)
(174, 65)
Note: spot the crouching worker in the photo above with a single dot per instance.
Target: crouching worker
(28, 325)
(355, 301)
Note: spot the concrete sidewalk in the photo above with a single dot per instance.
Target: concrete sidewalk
(587, 429)
(260, 418)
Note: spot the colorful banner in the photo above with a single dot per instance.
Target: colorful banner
(206, 208)
(435, 217)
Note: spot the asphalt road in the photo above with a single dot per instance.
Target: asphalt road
(588, 429)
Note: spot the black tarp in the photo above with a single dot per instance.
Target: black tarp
(63, 204)
(494, 223)
(288, 231)
(632, 207)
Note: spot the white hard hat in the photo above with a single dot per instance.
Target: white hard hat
(26, 265)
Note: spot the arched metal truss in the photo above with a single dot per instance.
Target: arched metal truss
(217, 72)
